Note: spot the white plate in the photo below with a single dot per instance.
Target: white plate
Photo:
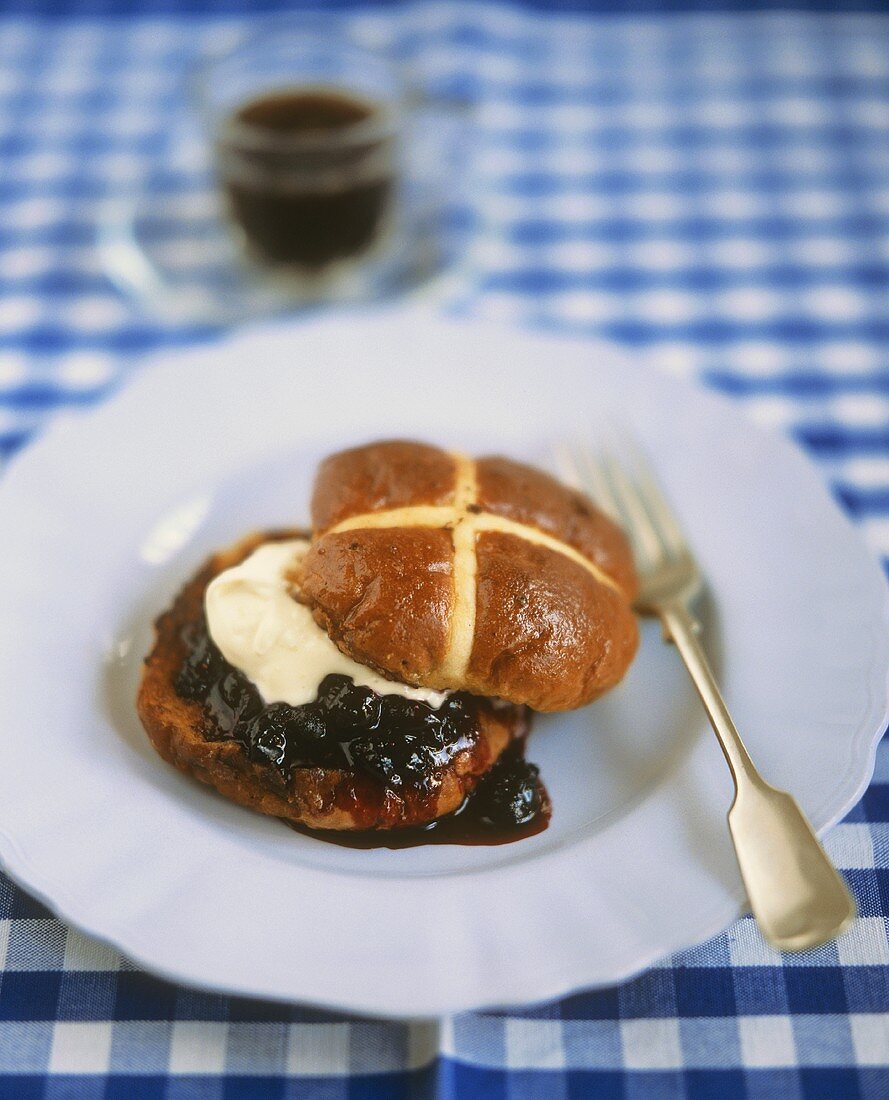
(112, 510)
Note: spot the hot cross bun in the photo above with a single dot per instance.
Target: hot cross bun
(481, 575)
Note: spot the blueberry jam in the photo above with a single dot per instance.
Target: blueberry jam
(511, 795)
(401, 743)
(509, 804)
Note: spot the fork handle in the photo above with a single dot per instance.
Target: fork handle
(798, 898)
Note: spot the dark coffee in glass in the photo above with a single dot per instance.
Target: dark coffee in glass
(308, 173)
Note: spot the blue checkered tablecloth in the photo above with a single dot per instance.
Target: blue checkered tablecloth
(712, 188)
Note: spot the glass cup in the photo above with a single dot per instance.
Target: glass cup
(319, 173)
(329, 178)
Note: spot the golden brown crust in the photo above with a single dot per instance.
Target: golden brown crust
(460, 637)
(530, 496)
(384, 596)
(320, 798)
(532, 607)
(394, 474)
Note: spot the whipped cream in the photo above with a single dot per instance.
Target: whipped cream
(274, 641)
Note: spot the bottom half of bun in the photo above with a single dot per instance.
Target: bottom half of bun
(184, 733)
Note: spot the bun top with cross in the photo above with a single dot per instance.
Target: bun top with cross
(480, 575)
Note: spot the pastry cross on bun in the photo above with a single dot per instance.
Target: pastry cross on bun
(480, 575)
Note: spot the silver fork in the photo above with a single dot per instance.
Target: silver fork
(795, 893)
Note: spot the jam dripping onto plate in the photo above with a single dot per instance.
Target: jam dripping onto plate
(509, 804)
(383, 742)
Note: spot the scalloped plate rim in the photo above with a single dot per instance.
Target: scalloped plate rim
(847, 792)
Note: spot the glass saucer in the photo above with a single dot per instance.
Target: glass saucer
(171, 249)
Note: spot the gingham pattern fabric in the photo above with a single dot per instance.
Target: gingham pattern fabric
(712, 189)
